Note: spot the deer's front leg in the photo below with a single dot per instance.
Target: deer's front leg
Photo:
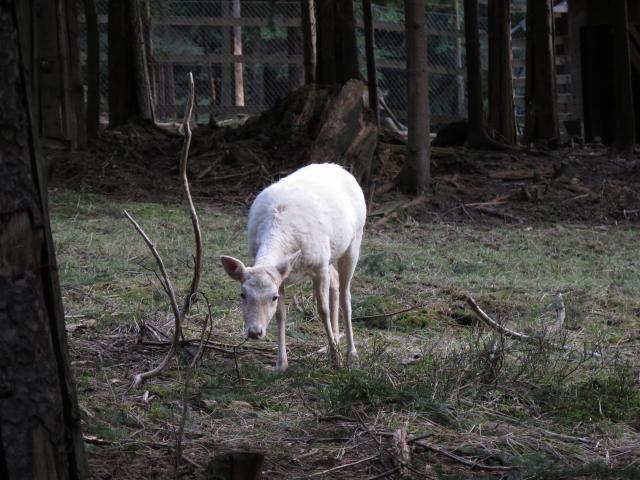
(281, 316)
(321, 285)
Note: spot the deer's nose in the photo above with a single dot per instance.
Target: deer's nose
(254, 332)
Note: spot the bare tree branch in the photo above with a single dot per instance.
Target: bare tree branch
(520, 336)
(179, 314)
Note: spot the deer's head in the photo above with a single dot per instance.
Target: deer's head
(259, 290)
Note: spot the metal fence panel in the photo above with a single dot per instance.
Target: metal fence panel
(197, 36)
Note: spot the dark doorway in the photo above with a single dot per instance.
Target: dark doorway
(598, 83)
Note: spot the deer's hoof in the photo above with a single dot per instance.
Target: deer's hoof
(280, 368)
(353, 359)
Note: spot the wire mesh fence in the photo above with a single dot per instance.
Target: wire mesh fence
(244, 60)
(446, 60)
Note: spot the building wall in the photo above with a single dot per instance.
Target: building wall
(589, 12)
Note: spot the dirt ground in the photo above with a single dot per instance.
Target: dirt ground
(228, 166)
(576, 185)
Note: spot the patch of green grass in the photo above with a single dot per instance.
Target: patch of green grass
(431, 364)
(611, 396)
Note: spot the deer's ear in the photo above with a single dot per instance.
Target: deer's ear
(234, 267)
(285, 265)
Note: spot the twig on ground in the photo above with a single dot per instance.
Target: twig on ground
(496, 213)
(495, 325)
(235, 358)
(558, 304)
(390, 314)
(346, 465)
(517, 335)
(473, 464)
(384, 474)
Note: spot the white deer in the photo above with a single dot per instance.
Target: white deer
(309, 223)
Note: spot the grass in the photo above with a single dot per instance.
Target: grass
(553, 413)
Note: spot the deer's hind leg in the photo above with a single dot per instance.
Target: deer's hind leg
(346, 267)
(334, 303)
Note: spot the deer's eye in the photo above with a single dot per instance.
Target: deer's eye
(243, 296)
(275, 298)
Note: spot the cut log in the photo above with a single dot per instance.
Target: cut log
(348, 134)
(522, 174)
(332, 124)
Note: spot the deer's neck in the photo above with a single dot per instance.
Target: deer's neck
(272, 249)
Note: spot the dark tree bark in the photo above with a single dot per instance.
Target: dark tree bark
(238, 68)
(415, 174)
(139, 27)
(307, 11)
(370, 45)
(501, 107)
(122, 92)
(39, 419)
(337, 53)
(79, 138)
(129, 86)
(541, 104)
(93, 70)
(625, 115)
(477, 134)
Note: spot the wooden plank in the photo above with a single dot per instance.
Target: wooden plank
(399, 27)
(226, 21)
(401, 65)
(561, 79)
(213, 58)
(164, 111)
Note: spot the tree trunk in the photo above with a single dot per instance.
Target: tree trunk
(337, 53)
(93, 70)
(76, 89)
(625, 115)
(501, 105)
(345, 132)
(541, 105)
(225, 84)
(460, 90)
(415, 174)
(122, 93)
(238, 74)
(307, 11)
(140, 58)
(477, 132)
(129, 86)
(40, 429)
(370, 46)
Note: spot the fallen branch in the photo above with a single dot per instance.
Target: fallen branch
(495, 325)
(517, 335)
(473, 464)
(496, 213)
(178, 314)
(390, 314)
(346, 465)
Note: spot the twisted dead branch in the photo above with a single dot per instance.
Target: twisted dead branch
(487, 320)
(473, 464)
(179, 314)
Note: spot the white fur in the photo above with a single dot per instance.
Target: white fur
(318, 211)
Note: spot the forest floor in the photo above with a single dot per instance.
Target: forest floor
(510, 229)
